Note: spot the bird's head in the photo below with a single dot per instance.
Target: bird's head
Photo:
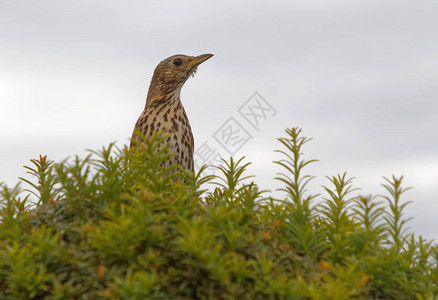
(171, 74)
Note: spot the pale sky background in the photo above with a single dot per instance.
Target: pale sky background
(360, 77)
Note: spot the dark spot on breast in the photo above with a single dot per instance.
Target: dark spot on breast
(174, 124)
(178, 107)
(161, 108)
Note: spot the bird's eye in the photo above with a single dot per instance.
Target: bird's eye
(177, 62)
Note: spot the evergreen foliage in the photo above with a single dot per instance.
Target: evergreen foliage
(114, 225)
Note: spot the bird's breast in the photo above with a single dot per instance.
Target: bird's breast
(171, 119)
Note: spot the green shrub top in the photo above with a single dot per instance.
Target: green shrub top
(115, 225)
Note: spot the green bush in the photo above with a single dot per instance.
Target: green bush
(115, 225)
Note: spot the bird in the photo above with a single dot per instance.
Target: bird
(164, 111)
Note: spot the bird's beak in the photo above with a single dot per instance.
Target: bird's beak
(199, 59)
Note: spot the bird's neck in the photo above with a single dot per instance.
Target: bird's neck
(161, 93)
(157, 96)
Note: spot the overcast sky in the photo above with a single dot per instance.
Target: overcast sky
(360, 77)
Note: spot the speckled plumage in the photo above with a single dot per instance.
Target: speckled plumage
(164, 109)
